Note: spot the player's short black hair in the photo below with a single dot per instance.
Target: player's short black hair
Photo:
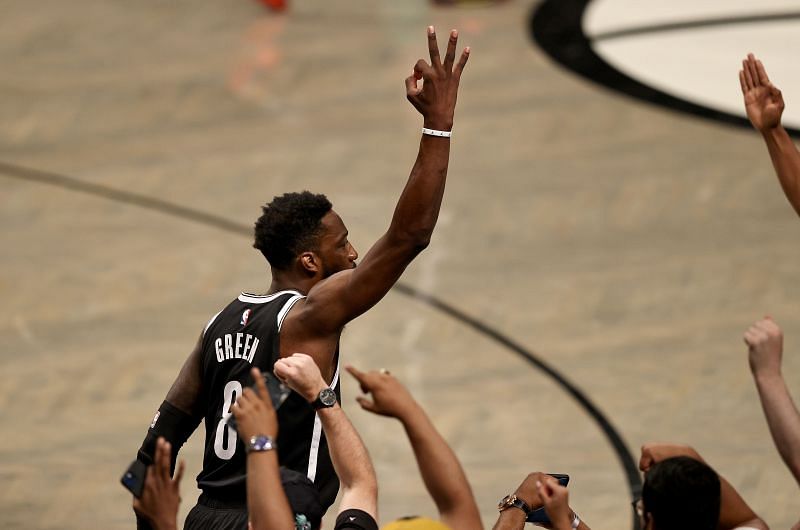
(682, 493)
(289, 225)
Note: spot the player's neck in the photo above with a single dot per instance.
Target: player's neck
(285, 281)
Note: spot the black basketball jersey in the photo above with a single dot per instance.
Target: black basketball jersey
(243, 335)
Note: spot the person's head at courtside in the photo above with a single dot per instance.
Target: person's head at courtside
(300, 235)
(680, 493)
(303, 500)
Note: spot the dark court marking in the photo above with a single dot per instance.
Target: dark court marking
(200, 217)
(555, 25)
(694, 24)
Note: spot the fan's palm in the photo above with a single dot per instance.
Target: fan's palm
(764, 106)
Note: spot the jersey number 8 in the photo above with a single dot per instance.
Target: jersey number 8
(225, 451)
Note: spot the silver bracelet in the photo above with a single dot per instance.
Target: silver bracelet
(434, 132)
(576, 521)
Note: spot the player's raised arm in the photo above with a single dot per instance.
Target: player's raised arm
(764, 104)
(432, 89)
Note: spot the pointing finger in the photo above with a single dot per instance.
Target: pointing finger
(261, 386)
(742, 82)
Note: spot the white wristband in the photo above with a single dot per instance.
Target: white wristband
(434, 132)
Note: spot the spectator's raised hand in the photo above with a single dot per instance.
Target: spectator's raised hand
(436, 98)
(254, 412)
(389, 396)
(161, 494)
(555, 498)
(765, 342)
(762, 100)
(302, 374)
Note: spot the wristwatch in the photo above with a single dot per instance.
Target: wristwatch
(326, 398)
(512, 501)
(260, 442)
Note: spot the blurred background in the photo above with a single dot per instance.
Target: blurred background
(626, 245)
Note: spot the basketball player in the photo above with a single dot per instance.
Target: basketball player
(316, 289)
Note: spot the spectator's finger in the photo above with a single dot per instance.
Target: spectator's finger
(748, 78)
(261, 386)
(366, 404)
(179, 471)
(751, 65)
(762, 72)
(281, 369)
(355, 372)
(162, 463)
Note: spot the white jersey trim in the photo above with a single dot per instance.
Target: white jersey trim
(316, 436)
(263, 299)
(210, 322)
(285, 309)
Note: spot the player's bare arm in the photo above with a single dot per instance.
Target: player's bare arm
(764, 104)
(185, 390)
(315, 323)
(181, 409)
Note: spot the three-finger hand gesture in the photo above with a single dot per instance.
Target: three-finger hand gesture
(764, 340)
(436, 97)
(762, 100)
(254, 412)
(389, 396)
(302, 374)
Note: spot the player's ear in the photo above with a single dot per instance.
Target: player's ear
(310, 262)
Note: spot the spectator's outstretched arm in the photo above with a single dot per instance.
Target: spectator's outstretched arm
(764, 105)
(350, 458)
(552, 498)
(255, 416)
(765, 342)
(733, 511)
(160, 498)
(441, 471)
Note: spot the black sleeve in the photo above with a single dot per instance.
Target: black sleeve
(174, 425)
(355, 520)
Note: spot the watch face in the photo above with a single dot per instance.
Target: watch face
(328, 397)
(261, 443)
(506, 502)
